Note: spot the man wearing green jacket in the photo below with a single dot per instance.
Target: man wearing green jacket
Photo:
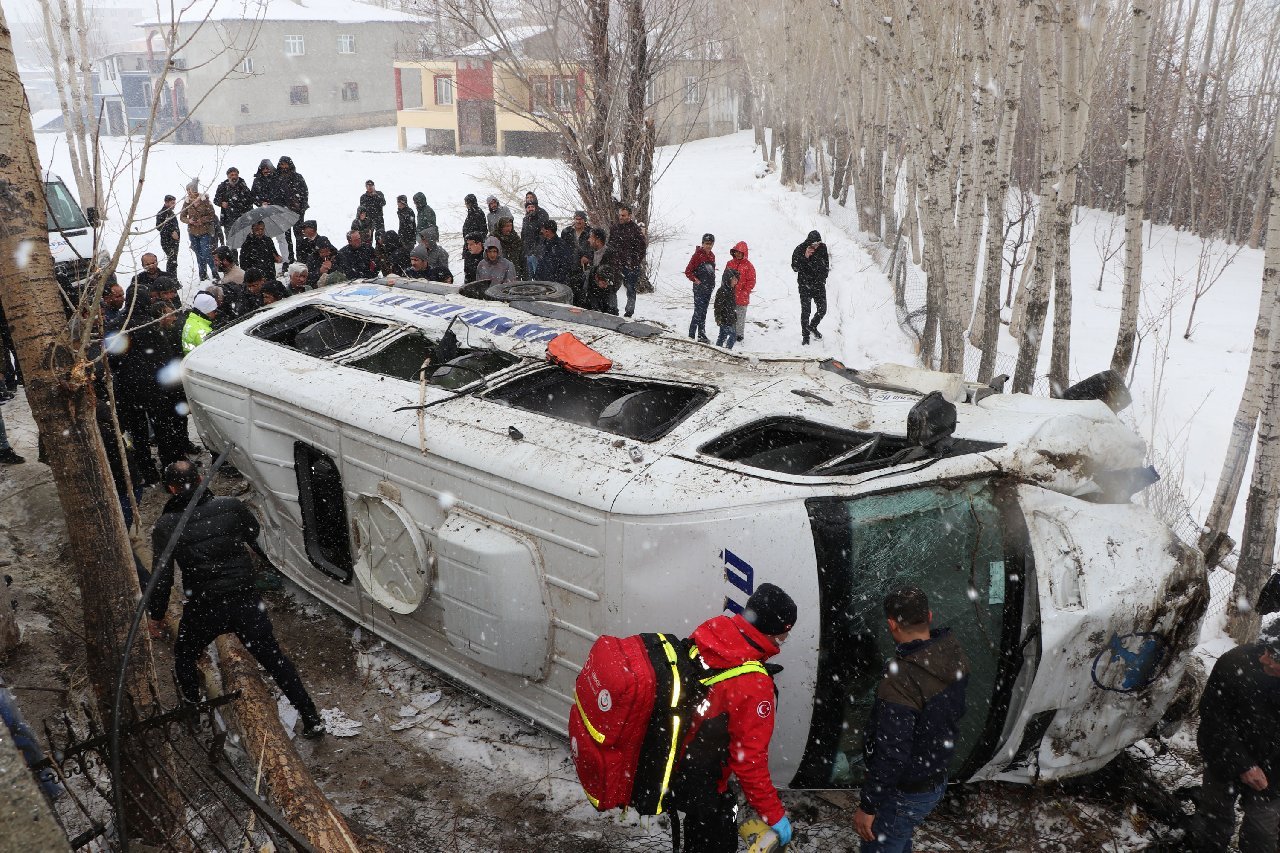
(199, 322)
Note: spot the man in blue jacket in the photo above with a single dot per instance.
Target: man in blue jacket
(914, 726)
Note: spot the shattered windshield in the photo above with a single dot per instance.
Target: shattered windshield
(63, 213)
(962, 544)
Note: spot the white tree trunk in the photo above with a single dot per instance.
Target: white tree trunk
(1135, 187)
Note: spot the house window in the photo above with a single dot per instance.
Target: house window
(650, 92)
(246, 66)
(294, 46)
(565, 92)
(346, 44)
(299, 95)
(350, 91)
(540, 95)
(444, 91)
(692, 91)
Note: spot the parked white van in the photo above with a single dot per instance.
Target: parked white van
(496, 518)
(70, 233)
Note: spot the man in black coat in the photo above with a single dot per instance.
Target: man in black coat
(170, 236)
(475, 221)
(911, 736)
(234, 198)
(373, 202)
(472, 254)
(531, 234)
(629, 246)
(292, 189)
(217, 576)
(557, 259)
(811, 264)
(603, 277)
(356, 260)
(1239, 742)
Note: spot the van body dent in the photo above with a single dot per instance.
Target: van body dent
(496, 518)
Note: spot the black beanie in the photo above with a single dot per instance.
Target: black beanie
(770, 610)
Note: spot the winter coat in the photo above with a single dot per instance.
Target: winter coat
(167, 225)
(512, 248)
(313, 265)
(746, 274)
(365, 227)
(212, 550)
(475, 223)
(1240, 716)
(237, 197)
(580, 244)
(408, 226)
(266, 186)
(469, 264)
(356, 262)
(700, 256)
(914, 726)
(392, 257)
(726, 304)
(426, 216)
(501, 271)
(604, 268)
(259, 252)
(731, 729)
(628, 244)
(306, 249)
(199, 216)
(531, 232)
(811, 272)
(373, 206)
(491, 219)
(292, 188)
(558, 261)
(437, 256)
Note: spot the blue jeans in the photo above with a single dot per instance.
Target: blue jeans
(531, 262)
(701, 301)
(630, 276)
(203, 247)
(728, 335)
(897, 819)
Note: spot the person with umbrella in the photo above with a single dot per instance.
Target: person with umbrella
(275, 220)
(258, 250)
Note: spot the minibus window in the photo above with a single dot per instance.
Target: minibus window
(315, 331)
(635, 408)
(324, 512)
(404, 356)
(962, 544)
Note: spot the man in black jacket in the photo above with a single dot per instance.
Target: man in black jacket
(170, 236)
(373, 203)
(629, 246)
(811, 264)
(914, 726)
(355, 260)
(217, 577)
(294, 195)
(233, 199)
(1237, 738)
(603, 277)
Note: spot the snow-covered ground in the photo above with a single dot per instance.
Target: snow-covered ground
(1185, 390)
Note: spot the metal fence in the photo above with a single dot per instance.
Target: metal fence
(189, 788)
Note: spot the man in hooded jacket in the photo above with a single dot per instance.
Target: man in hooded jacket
(494, 268)
(732, 726)
(746, 283)
(234, 198)
(531, 233)
(475, 221)
(496, 213)
(293, 193)
(426, 214)
(811, 264)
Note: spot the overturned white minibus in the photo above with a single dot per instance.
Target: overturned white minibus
(497, 517)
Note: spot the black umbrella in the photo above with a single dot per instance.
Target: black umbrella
(277, 219)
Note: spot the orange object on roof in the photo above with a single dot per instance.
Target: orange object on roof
(572, 354)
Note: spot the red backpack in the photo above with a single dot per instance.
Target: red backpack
(633, 702)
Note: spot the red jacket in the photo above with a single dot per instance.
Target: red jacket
(700, 256)
(746, 275)
(747, 702)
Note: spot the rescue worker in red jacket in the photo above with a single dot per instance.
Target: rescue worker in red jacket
(732, 726)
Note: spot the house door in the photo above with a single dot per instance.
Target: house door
(477, 126)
